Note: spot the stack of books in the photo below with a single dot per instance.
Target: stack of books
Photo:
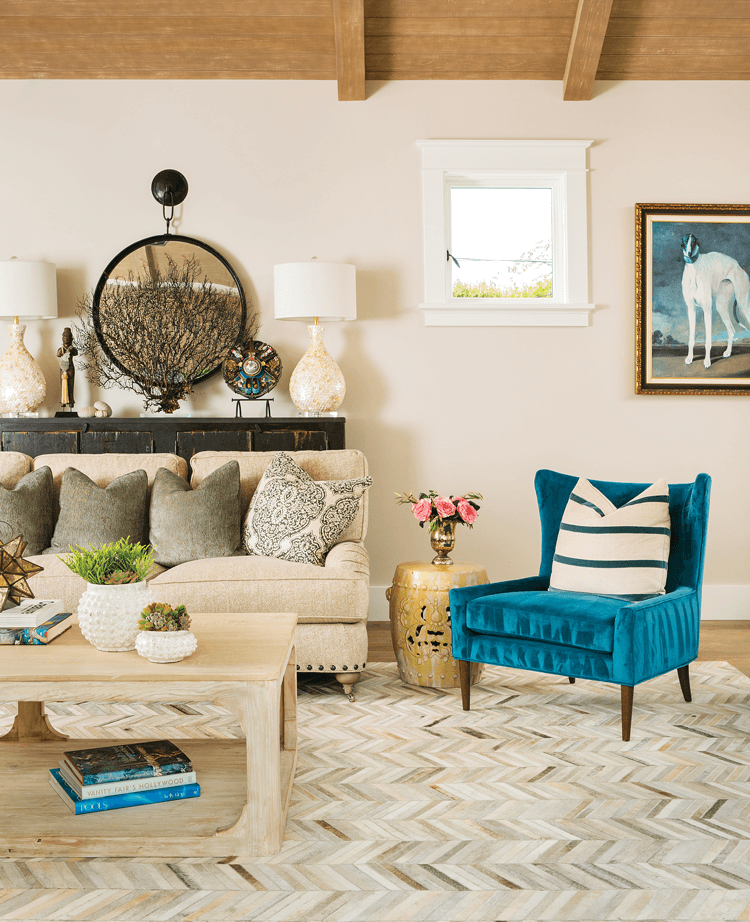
(130, 775)
(33, 621)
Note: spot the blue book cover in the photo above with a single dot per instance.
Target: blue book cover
(117, 801)
(42, 634)
(93, 791)
(127, 761)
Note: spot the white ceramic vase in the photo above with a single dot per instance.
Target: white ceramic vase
(108, 615)
(165, 646)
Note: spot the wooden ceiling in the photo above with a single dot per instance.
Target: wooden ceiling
(573, 41)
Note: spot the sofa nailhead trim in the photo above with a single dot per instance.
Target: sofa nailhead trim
(354, 668)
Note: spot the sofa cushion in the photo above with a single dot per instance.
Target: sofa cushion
(13, 466)
(606, 550)
(320, 465)
(570, 619)
(91, 515)
(187, 524)
(293, 517)
(329, 595)
(105, 468)
(26, 509)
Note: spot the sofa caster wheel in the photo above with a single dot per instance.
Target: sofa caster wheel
(348, 679)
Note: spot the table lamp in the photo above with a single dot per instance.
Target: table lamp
(28, 291)
(316, 291)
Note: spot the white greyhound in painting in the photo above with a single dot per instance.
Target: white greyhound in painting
(708, 276)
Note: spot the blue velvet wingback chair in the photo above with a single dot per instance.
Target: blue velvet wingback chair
(520, 624)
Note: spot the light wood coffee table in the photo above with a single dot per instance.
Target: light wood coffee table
(244, 662)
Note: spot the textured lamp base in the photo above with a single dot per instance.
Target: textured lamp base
(317, 386)
(22, 384)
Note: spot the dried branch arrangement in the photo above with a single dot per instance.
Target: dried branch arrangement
(160, 332)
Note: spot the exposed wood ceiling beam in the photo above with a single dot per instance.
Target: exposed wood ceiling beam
(403, 40)
(349, 26)
(585, 49)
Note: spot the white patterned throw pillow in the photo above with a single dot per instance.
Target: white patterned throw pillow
(294, 517)
(615, 552)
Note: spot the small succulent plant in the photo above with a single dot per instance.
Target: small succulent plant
(159, 616)
(121, 576)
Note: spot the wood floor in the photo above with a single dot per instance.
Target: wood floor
(727, 641)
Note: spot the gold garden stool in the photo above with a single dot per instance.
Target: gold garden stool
(421, 621)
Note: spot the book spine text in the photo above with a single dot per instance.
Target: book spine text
(90, 791)
(137, 799)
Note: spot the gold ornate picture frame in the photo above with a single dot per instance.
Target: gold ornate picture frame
(691, 272)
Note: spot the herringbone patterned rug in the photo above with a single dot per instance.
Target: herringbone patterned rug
(407, 808)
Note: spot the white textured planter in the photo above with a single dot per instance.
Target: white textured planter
(165, 646)
(108, 615)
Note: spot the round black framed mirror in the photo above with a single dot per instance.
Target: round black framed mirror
(165, 312)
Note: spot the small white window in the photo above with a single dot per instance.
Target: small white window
(505, 233)
(500, 242)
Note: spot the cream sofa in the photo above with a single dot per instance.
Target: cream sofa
(331, 602)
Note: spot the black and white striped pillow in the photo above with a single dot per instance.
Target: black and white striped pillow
(609, 551)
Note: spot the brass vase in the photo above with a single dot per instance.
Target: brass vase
(443, 540)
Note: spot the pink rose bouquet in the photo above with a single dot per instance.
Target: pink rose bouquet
(431, 508)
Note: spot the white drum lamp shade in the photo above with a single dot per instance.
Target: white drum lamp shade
(28, 291)
(304, 291)
(311, 292)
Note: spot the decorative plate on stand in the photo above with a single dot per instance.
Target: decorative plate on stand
(253, 369)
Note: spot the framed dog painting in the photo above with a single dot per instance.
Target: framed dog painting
(692, 299)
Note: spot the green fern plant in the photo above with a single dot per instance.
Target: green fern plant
(111, 564)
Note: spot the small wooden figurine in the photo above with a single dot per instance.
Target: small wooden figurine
(65, 357)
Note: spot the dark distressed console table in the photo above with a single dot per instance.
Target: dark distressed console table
(182, 436)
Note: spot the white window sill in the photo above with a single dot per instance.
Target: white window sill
(500, 312)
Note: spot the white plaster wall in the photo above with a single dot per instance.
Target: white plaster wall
(281, 171)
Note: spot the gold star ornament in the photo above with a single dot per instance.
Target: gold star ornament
(14, 572)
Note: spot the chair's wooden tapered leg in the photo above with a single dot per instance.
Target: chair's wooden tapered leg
(464, 675)
(571, 679)
(683, 673)
(626, 701)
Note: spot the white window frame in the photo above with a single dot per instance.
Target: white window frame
(556, 165)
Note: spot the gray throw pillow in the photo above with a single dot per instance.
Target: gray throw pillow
(91, 515)
(27, 509)
(197, 524)
(294, 517)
